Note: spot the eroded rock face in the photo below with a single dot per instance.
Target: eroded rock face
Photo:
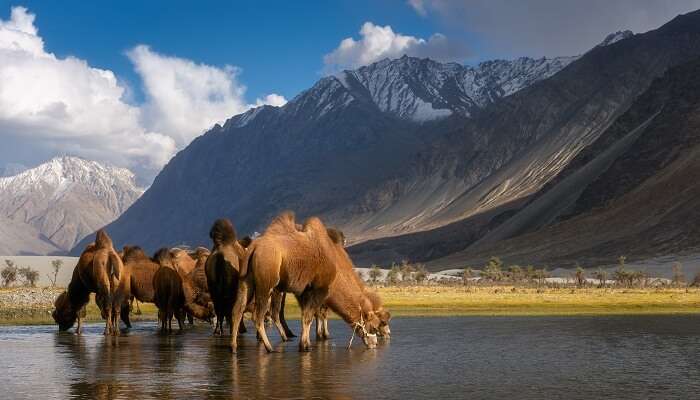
(55, 205)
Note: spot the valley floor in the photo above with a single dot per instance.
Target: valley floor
(20, 306)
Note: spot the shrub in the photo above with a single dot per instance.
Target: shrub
(467, 274)
(30, 276)
(392, 277)
(374, 274)
(9, 273)
(56, 264)
(421, 274)
(678, 278)
(492, 270)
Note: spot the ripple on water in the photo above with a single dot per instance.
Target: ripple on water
(480, 357)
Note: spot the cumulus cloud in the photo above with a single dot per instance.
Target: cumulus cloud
(379, 42)
(54, 104)
(184, 98)
(51, 105)
(549, 27)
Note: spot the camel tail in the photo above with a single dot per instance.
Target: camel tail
(114, 265)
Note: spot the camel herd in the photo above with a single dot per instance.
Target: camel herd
(236, 276)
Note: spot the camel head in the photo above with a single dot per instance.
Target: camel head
(63, 314)
(383, 329)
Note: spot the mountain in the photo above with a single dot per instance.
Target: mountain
(632, 192)
(49, 208)
(423, 89)
(403, 179)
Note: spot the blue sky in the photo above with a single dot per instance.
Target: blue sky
(279, 45)
(133, 82)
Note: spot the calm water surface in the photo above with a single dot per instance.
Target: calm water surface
(471, 357)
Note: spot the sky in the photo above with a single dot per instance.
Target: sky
(133, 82)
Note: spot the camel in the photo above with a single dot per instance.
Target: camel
(141, 270)
(174, 294)
(345, 273)
(99, 270)
(223, 269)
(303, 262)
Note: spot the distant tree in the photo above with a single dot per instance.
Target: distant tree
(9, 273)
(421, 274)
(492, 271)
(602, 276)
(678, 278)
(541, 275)
(375, 273)
(467, 274)
(516, 273)
(56, 265)
(30, 276)
(393, 276)
(580, 276)
(407, 271)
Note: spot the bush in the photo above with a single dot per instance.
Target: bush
(9, 273)
(421, 274)
(392, 277)
(467, 274)
(30, 276)
(374, 273)
(492, 270)
(678, 278)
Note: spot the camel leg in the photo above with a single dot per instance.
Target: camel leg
(229, 321)
(242, 297)
(125, 315)
(287, 331)
(180, 316)
(326, 333)
(275, 314)
(115, 320)
(262, 303)
(310, 301)
(241, 328)
(323, 313)
(219, 324)
(79, 329)
(190, 319)
(108, 318)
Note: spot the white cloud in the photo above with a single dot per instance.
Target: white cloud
(186, 98)
(55, 104)
(272, 100)
(379, 42)
(51, 105)
(418, 6)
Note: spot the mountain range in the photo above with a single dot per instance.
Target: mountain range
(449, 164)
(49, 208)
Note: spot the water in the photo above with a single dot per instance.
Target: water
(471, 357)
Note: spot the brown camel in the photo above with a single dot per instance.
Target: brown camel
(174, 294)
(302, 262)
(100, 271)
(223, 269)
(347, 273)
(141, 269)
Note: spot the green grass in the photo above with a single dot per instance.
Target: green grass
(429, 301)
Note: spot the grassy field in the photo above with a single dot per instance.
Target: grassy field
(449, 301)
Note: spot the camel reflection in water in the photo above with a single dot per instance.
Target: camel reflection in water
(143, 364)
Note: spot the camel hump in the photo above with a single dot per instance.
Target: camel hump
(102, 240)
(283, 224)
(163, 257)
(222, 232)
(314, 225)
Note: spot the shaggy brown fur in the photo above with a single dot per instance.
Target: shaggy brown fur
(100, 271)
(341, 296)
(174, 294)
(141, 269)
(183, 261)
(223, 268)
(302, 262)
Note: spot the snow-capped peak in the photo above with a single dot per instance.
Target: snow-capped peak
(66, 198)
(616, 37)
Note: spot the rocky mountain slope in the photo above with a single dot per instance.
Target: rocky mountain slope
(363, 150)
(49, 208)
(633, 192)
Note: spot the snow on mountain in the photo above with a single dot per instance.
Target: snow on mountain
(417, 89)
(63, 200)
(616, 37)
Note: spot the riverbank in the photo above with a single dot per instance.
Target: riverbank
(34, 305)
